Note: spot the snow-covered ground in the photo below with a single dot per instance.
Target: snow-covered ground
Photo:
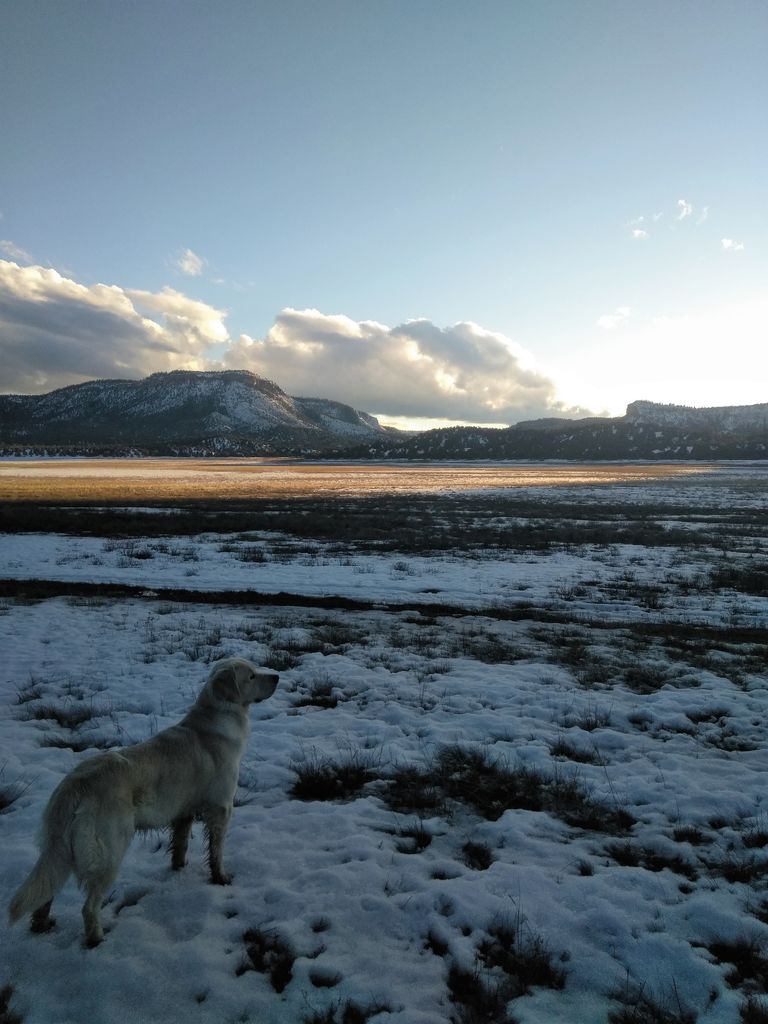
(538, 776)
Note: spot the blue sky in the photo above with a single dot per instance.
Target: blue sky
(469, 212)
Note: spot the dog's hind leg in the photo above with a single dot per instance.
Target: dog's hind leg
(179, 842)
(216, 820)
(97, 884)
(41, 919)
(99, 849)
(94, 933)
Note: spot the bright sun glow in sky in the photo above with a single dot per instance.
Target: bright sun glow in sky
(433, 211)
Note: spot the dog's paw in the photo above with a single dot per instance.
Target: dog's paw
(43, 925)
(221, 878)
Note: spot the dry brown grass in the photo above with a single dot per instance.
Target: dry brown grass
(206, 479)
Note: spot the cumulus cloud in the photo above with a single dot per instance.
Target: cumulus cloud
(14, 252)
(731, 245)
(183, 317)
(188, 263)
(684, 209)
(639, 233)
(610, 321)
(416, 369)
(55, 331)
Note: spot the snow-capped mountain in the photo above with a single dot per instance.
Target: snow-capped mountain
(223, 411)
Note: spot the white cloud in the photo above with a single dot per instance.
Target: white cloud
(636, 230)
(14, 252)
(55, 331)
(731, 245)
(183, 315)
(189, 263)
(684, 209)
(417, 369)
(610, 321)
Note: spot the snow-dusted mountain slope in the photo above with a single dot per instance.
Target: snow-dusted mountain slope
(178, 407)
(339, 418)
(235, 412)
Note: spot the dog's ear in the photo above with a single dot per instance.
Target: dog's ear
(224, 685)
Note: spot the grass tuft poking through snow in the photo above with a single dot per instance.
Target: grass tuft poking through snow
(753, 1011)
(10, 792)
(478, 856)
(268, 954)
(640, 1007)
(747, 960)
(490, 786)
(347, 1012)
(477, 999)
(522, 956)
(326, 778)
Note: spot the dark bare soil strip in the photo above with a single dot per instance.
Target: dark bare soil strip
(411, 523)
(40, 590)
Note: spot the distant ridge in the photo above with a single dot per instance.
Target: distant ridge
(236, 412)
(649, 431)
(182, 412)
(726, 418)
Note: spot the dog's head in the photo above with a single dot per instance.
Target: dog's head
(238, 681)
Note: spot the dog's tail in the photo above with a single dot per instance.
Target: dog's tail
(55, 863)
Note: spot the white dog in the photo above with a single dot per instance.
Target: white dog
(184, 773)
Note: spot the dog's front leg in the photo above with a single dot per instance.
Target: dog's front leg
(180, 830)
(216, 821)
